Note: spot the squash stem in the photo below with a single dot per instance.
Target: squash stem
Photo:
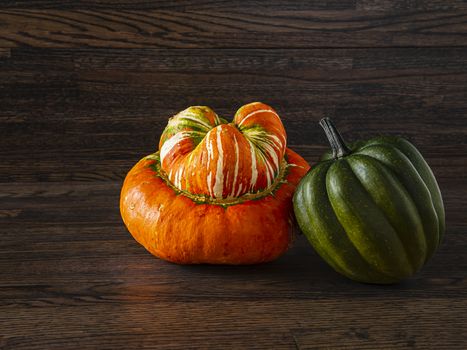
(339, 148)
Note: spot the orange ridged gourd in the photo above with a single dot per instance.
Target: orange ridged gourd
(215, 192)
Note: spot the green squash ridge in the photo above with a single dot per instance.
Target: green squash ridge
(305, 224)
(395, 203)
(367, 232)
(414, 185)
(423, 169)
(342, 256)
(428, 178)
(337, 265)
(372, 273)
(416, 177)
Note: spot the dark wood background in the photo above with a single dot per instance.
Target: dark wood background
(85, 91)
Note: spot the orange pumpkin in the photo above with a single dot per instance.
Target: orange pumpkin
(215, 192)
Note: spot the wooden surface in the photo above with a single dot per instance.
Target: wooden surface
(85, 91)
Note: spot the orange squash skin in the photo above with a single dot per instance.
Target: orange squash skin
(173, 227)
(215, 192)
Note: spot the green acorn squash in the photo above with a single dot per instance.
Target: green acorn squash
(373, 211)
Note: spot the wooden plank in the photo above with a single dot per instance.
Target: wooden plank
(226, 26)
(97, 256)
(86, 88)
(5, 53)
(96, 201)
(183, 5)
(88, 115)
(235, 4)
(395, 323)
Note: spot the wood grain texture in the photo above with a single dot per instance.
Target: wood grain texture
(86, 88)
(233, 24)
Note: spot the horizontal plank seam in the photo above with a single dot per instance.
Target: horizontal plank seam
(272, 48)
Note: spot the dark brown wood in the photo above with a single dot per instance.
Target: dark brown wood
(85, 91)
(234, 24)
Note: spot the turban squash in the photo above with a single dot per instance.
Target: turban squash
(373, 210)
(215, 192)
